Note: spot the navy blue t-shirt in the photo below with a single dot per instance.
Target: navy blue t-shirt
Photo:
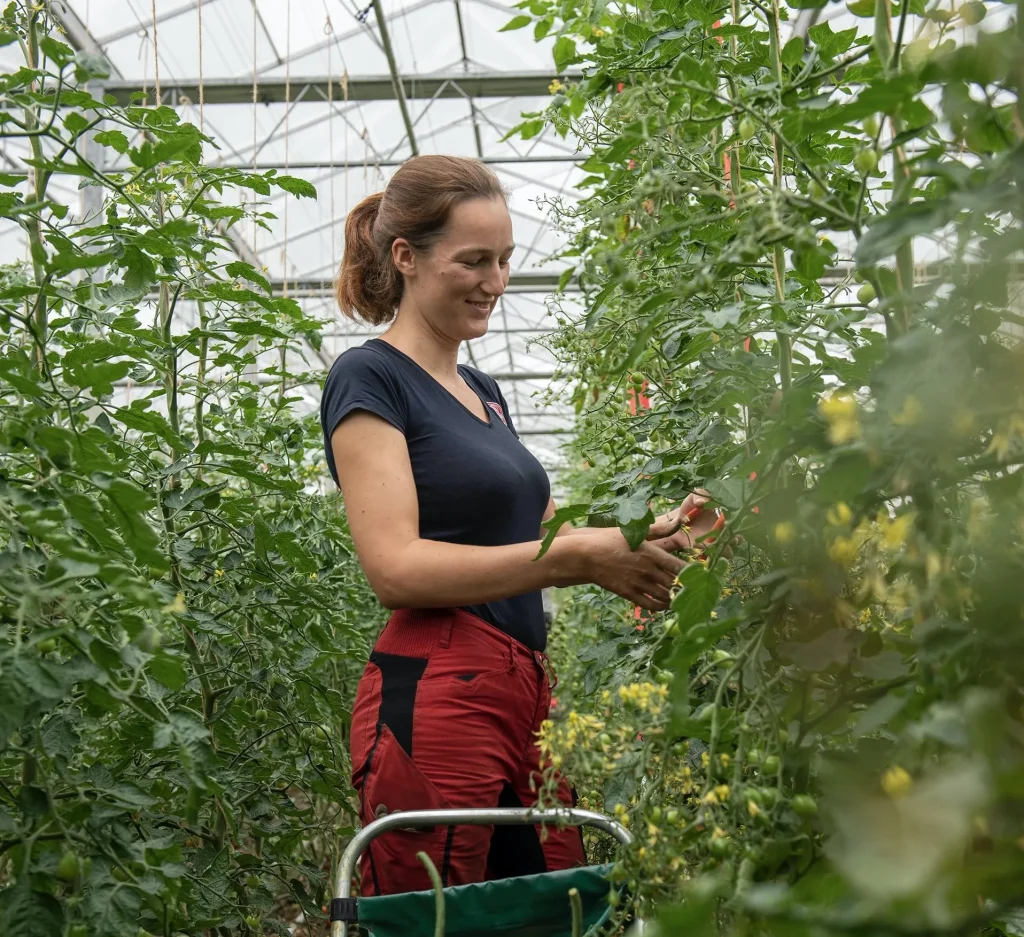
(476, 483)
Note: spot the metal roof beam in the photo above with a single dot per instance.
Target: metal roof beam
(79, 36)
(518, 283)
(146, 25)
(366, 88)
(339, 164)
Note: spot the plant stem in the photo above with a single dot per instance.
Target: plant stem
(576, 904)
(435, 880)
(785, 349)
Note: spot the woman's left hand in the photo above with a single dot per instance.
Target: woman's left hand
(681, 528)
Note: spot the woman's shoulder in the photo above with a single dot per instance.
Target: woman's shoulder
(361, 361)
(483, 380)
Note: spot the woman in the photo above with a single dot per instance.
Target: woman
(445, 505)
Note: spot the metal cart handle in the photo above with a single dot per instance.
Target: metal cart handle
(488, 816)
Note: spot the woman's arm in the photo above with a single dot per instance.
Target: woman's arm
(406, 571)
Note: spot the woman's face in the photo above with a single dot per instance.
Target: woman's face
(456, 285)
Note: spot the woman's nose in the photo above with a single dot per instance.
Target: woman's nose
(495, 280)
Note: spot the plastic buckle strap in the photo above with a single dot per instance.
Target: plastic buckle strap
(345, 910)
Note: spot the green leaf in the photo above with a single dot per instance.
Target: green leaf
(115, 139)
(793, 51)
(561, 516)
(517, 22)
(239, 268)
(700, 591)
(170, 671)
(564, 52)
(293, 185)
(129, 505)
(901, 222)
(28, 913)
(79, 260)
(635, 531)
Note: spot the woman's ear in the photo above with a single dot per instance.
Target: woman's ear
(403, 256)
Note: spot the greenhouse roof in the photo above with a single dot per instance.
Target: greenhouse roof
(326, 110)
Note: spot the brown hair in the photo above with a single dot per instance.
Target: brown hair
(415, 205)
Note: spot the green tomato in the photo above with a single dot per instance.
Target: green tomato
(252, 921)
(816, 190)
(252, 881)
(260, 717)
(870, 126)
(721, 656)
(769, 796)
(607, 448)
(78, 930)
(866, 161)
(638, 379)
(69, 867)
(630, 282)
(672, 816)
(771, 764)
(605, 739)
(747, 129)
(120, 874)
(664, 677)
(754, 757)
(804, 805)
(972, 12)
(866, 294)
(47, 646)
(655, 815)
(721, 847)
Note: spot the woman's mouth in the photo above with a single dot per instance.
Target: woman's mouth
(480, 307)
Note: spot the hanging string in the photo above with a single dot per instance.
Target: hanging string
(199, 7)
(329, 31)
(287, 138)
(156, 55)
(254, 85)
(344, 91)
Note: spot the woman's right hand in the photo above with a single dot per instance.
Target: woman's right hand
(644, 576)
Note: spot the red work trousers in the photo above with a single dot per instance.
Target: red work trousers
(446, 715)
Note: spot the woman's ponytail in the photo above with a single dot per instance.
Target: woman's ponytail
(368, 280)
(415, 206)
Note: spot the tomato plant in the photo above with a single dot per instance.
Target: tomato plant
(183, 614)
(831, 715)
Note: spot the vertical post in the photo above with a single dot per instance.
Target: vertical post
(396, 79)
(92, 195)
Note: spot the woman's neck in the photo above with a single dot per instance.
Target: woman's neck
(437, 354)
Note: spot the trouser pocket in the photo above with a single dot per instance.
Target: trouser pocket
(394, 783)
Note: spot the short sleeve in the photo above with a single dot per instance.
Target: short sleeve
(360, 380)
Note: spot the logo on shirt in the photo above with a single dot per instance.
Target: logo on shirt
(496, 407)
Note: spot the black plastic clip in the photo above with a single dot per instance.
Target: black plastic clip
(345, 909)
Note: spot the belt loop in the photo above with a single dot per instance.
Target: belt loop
(511, 656)
(446, 628)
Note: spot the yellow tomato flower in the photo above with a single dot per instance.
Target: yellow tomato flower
(894, 531)
(218, 573)
(840, 411)
(844, 550)
(784, 532)
(176, 605)
(722, 793)
(839, 515)
(752, 808)
(555, 86)
(896, 781)
(911, 412)
(718, 833)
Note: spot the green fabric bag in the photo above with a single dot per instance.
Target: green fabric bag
(524, 906)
